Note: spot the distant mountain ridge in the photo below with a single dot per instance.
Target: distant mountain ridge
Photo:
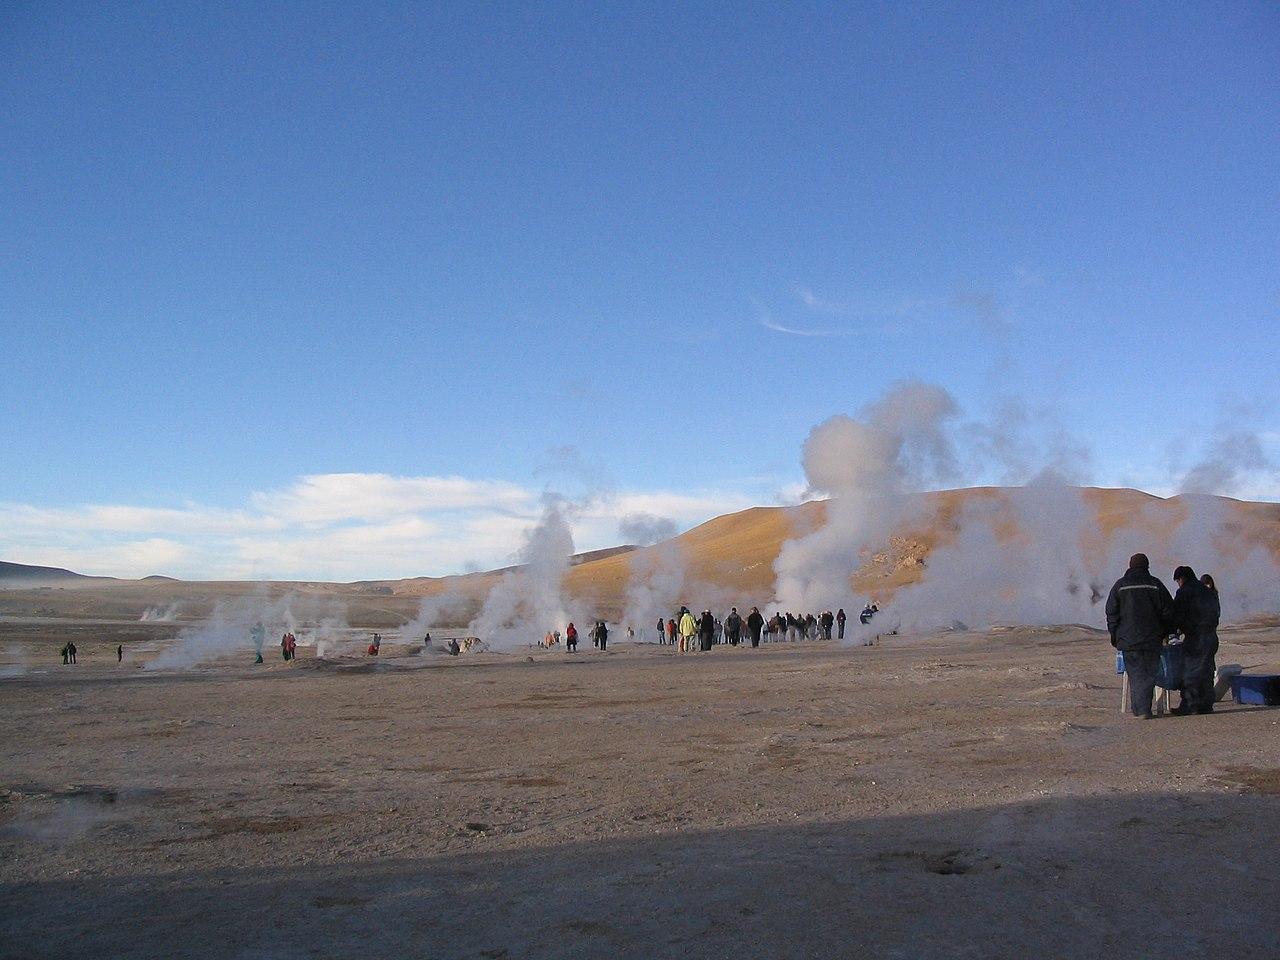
(29, 575)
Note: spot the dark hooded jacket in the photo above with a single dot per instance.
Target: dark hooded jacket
(1139, 611)
(1195, 611)
(755, 623)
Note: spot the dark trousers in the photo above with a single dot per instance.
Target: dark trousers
(603, 641)
(840, 627)
(1141, 666)
(571, 645)
(1197, 672)
(755, 638)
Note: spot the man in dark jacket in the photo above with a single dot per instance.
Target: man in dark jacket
(1195, 613)
(1139, 617)
(828, 620)
(733, 627)
(755, 624)
(840, 619)
(706, 630)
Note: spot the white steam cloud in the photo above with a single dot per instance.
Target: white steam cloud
(1035, 554)
(643, 529)
(530, 601)
(868, 466)
(653, 590)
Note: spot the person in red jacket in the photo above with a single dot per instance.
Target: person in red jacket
(570, 638)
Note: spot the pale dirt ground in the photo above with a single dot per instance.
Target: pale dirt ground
(962, 795)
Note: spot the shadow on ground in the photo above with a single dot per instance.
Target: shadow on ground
(1191, 875)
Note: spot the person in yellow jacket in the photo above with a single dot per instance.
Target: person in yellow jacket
(688, 629)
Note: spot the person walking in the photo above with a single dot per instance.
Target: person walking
(1139, 616)
(840, 619)
(755, 624)
(828, 620)
(1196, 611)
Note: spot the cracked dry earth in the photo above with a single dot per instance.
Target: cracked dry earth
(957, 795)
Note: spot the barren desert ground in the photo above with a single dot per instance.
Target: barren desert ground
(956, 795)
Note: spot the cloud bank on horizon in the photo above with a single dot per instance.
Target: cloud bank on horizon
(341, 526)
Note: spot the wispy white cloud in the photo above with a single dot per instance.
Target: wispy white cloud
(769, 324)
(331, 497)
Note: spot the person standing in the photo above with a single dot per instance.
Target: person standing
(602, 635)
(1139, 615)
(66, 654)
(840, 619)
(120, 653)
(688, 629)
(828, 620)
(733, 627)
(257, 633)
(671, 632)
(284, 647)
(1196, 611)
(755, 624)
(706, 631)
(570, 638)
(662, 631)
(71, 649)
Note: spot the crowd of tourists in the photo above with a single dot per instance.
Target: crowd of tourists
(688, 631)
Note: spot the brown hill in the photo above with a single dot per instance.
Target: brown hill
(734, 553)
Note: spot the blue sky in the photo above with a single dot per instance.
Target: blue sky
(244, 245)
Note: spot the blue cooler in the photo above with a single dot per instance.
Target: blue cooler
(1260, 689)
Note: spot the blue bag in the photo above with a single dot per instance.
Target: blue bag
(1172, 663)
